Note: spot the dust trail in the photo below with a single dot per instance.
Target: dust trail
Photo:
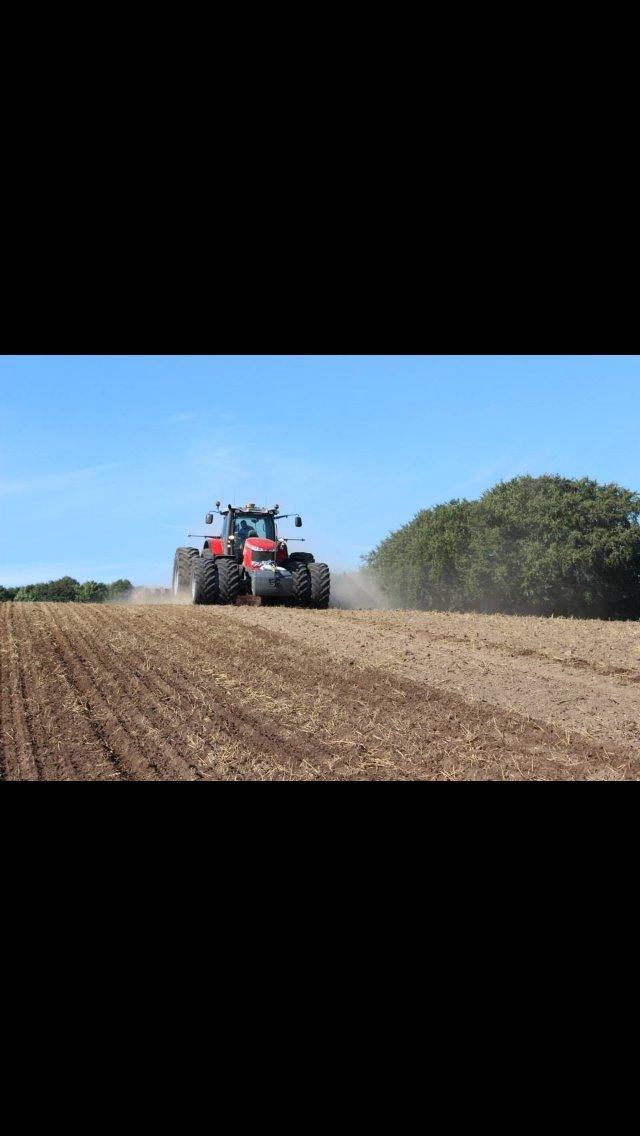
(357, 590)
(144, 596)
(348, 590)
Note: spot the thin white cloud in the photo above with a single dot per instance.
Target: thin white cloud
(224, 461)
(503, 466)
(183, 416)
(42, 482)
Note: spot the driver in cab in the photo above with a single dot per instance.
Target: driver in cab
(243, 530)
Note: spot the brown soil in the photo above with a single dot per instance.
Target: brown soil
(91, 692)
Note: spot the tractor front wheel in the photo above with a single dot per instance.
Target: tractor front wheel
(301, 590)
(229, 581)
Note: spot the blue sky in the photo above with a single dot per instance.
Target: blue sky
(108, 461)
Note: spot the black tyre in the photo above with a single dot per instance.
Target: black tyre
(301, 558)
(181, 582)
(205, 588)
(301, 595)
(320, 584)
(229, 581)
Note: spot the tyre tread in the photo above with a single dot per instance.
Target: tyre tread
(320, 585)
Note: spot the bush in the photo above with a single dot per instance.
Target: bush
(542, 546)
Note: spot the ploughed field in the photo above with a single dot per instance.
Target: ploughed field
(171, 692)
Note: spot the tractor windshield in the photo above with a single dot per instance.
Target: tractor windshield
(252, 524)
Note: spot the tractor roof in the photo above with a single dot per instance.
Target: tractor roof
(250, 507)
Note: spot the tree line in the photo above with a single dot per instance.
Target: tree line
(532, 545)
(67, 590)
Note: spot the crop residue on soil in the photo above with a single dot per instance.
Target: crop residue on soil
(164, 691)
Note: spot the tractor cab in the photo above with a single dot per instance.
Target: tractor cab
(254, 524)
(240, 523)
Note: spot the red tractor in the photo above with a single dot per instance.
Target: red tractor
(249, 559)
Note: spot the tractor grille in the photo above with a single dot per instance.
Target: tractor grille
(258, 557)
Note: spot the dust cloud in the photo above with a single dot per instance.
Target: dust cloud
(144, 596)
(357, 590)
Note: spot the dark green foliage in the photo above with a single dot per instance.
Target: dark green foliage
(67, 590)
(542, 546)
(56, 591)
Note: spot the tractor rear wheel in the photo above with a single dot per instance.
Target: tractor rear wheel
(320, 585)
(205, 588)
(229, 581)
(182, 570)
(301, 593)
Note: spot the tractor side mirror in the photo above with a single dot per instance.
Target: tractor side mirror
(298, 522)
(208, 519)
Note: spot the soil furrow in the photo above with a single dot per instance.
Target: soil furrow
(214, 735)
(301, 690)
(221, 702)
(564, 639)
(136, 710)
(6, 739)
(409, 699)
(120, 746)
(352, 702)
(146, 703)
(596, 707)
(511, 651)
(57, 740)
(19, 758)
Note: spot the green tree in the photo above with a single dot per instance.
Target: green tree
(67, 590)
(55, 591)
(91, 592)
(7, 594)
(547, 545)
